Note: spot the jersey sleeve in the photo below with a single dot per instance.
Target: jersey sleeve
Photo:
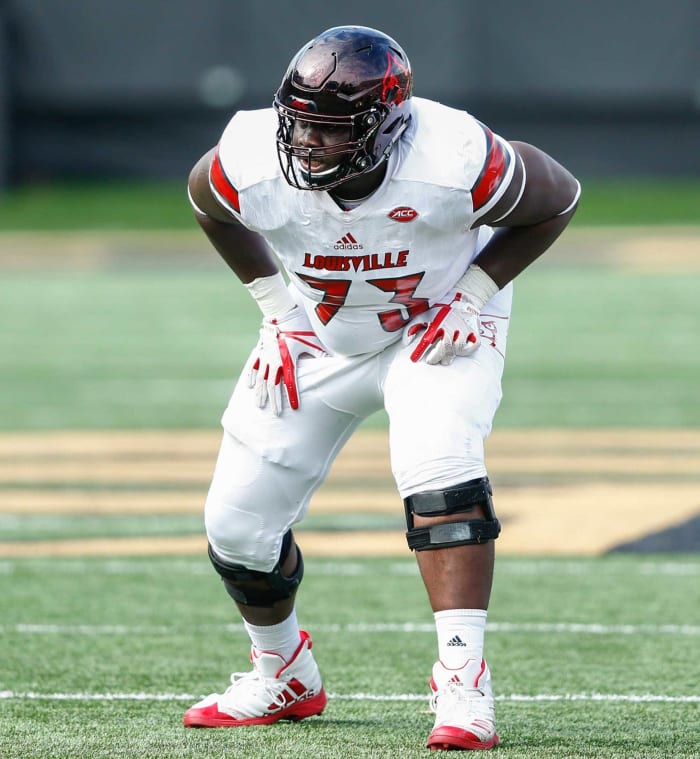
(224, 190)
(496, 173)
(244, 160)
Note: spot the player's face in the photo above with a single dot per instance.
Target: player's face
(307, 134)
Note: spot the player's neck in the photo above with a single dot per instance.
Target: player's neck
(354, 191)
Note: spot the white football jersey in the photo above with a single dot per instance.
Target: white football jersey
(362, 274)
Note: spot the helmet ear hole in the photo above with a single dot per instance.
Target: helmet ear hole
(363, 163)
(369, 120)
(390, 128)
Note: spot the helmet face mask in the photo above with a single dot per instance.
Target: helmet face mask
(343, 159)
(353, 79)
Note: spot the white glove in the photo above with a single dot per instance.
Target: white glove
(452, 329)
(448, 330)
(282, 341)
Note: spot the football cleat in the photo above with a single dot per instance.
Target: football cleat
(464, 710)
(274, 690)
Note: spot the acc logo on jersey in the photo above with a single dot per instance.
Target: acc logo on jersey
(403, 214)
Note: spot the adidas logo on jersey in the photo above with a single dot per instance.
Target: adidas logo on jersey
(347, 242)
(456, 641)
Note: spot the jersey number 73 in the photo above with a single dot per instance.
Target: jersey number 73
(335, 293)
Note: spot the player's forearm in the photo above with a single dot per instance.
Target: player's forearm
(245, 252)
(512, 249)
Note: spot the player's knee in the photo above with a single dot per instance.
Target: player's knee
(251, 503)
(419, 472)
(238, 536)
(454, 507)
(261, 588)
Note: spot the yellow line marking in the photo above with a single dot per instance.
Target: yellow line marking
(588, 517)
(139, 472)
(576, 520)
(332, 544)
(140, 502)
(204, 442)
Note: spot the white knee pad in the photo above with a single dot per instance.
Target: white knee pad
(252, 503)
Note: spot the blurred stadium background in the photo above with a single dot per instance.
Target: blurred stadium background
(137, 88)
(105, 106)
(121, 332)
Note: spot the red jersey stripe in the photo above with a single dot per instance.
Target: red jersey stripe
(222, 185)
(495, 167)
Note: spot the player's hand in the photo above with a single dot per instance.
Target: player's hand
(446, 331)
(282, 341)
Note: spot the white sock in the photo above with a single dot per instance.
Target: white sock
(282, 638)
(460, 634)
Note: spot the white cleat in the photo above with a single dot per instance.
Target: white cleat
(464, 710)
(273, 691)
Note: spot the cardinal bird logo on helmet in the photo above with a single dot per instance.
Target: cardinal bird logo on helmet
(392, 91)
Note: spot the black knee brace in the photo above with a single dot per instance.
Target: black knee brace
(253, 588)
(459, 499)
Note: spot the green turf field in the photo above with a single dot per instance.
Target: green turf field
(99, 656)
(128, 336)
(157, 205)
(590, 658)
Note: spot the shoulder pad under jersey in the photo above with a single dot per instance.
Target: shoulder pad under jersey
(246, 155)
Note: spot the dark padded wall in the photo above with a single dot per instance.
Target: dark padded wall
(5, 96)
(140, 88)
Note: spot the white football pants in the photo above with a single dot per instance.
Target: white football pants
(269, 466)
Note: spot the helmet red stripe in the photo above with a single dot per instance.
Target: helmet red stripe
(222, 184)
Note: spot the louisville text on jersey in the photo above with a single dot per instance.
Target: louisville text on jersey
(366, 262)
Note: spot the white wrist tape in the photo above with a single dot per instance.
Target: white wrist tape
(477, 287)
(271, 295)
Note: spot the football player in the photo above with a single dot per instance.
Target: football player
(379, 234)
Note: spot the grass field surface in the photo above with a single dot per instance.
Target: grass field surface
(117, 354)
(148, 330)
(590, 658)
(163, 205)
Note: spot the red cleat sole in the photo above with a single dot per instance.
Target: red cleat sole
(454, 739)
(210, 716)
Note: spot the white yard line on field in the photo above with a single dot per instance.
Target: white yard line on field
(195, 566)
(536, 697)
(572, 628)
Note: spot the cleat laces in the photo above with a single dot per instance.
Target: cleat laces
(454, 701)
(247, 687)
